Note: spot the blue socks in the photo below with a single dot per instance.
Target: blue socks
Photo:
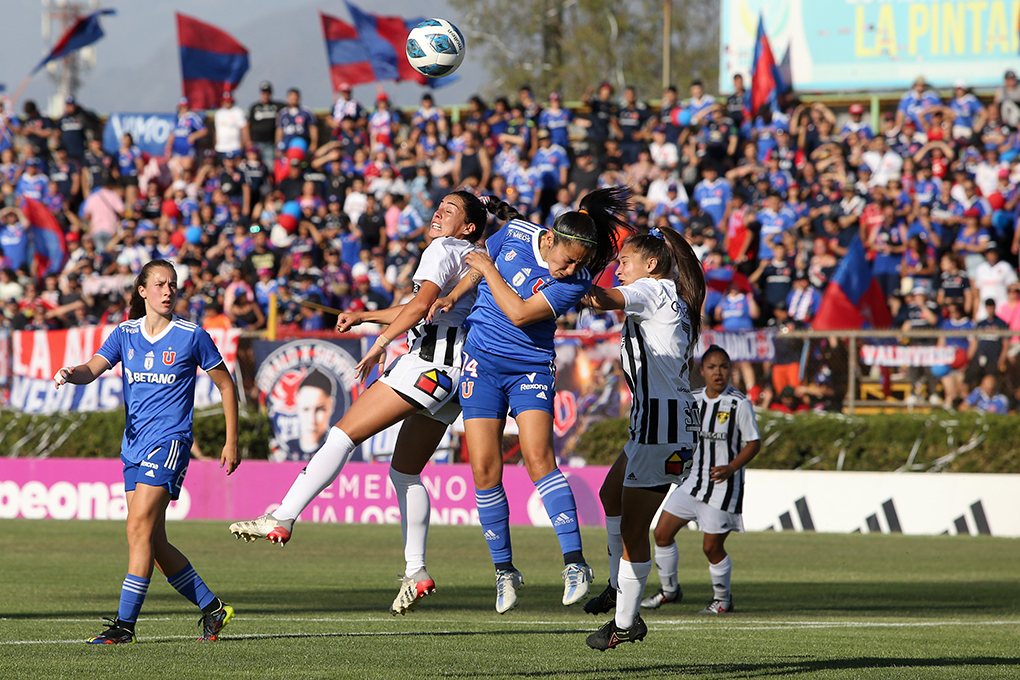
(494, 515)
(188, 583)
(132, 595)
(562, 511)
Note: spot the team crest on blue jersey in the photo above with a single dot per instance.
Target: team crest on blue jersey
(150, 360)
(131, 353)
(168, 358)
(511, 255)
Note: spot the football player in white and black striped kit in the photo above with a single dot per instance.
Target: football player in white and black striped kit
(662, 290)
(713, 494)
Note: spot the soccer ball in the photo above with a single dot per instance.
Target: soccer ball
(435, 48)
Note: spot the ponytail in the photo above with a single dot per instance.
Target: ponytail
(137, 310)
(602, 213)
(503, 211)
(675, 260)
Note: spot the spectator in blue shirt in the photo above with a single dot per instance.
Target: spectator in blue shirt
(556, 120)
(713, 193)
(915, 101)
(180, 145)
(987, 398)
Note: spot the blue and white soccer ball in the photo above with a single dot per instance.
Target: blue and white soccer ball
(435, 48)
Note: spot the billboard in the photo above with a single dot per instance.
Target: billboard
(874, 44)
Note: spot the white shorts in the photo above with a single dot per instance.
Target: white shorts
(431, 386)
(651, 465)
(710, 520)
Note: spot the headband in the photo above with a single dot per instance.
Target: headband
(576, 238)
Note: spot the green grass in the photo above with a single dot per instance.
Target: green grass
(808, 606)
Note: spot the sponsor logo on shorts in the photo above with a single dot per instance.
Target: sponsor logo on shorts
(434, 383)
(541, 395)
(675, 462)
(533, 386)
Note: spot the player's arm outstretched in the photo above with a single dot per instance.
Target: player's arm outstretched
(82, 374)
(446, 303)
(605, 299)
(229, 457)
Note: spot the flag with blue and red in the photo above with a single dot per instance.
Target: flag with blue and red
(212, 62)
(349, 62)
(766, 80)
(47, 236)
(853, 298)
(384, 41)
(85, 31)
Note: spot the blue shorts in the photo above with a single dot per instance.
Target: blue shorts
(491, 385)
(165, 466)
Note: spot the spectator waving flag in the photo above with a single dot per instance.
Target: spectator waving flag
(853, 298)
(47, 236)
(212, 62)
(383, 39)
(85, 31)
(766, 80)
(349, 62)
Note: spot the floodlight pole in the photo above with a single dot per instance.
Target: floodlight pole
(667, 14)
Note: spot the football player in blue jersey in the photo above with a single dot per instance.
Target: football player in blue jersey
(419, 388)
(662, 291)
(531, 276)
(159, 355)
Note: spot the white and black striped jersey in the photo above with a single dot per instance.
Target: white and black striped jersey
(728, 423)
(442, 263)
(656, 349)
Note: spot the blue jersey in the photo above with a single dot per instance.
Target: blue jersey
(713, 197)
(187, 124)
(295, 124)
(965, 108)
(549, 162)
(159, 380)
(772, 227)
(514, 249)
(126, 161)
(556, 122)
(14, 244)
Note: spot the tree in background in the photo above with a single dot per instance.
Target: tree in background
(569, 45)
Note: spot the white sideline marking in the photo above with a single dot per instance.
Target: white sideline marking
(669, 624)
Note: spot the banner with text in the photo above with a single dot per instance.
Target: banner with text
(780, 500)
(874, 44)
(908, 355)
(36, 356)
(148, 130)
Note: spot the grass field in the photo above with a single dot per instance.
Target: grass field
(808, 606)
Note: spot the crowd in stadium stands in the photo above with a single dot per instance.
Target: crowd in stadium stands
(272, 199)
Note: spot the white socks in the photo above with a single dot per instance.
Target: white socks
(320, 472)
(721, 578)
(415, 512)
(615, 541)
(666, 562)
(633, 576)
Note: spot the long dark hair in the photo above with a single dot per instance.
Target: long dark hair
(474, 213)
(594, 225)
(675, 259)
(137, 301)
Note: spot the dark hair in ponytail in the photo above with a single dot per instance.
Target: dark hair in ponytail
(676, 260)
(142, 280)
(503, 211)
(602, 212)
(474, 213)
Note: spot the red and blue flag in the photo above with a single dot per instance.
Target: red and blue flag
(349, 62)
(212, 62)
(853, 298)
(766, 79)
(85, 31)
(384, 40)
(47, 236)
